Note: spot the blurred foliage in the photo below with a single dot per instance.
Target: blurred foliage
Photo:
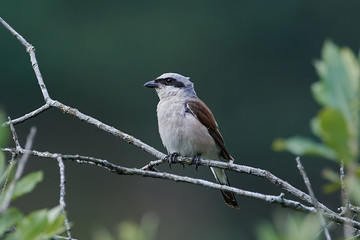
(4, 136)
(128, 230)
(290, 227)
(337, 123)
(38, 225)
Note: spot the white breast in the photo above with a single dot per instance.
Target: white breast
(181, 132)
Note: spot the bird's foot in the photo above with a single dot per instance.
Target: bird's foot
(196, 160)
(172, 157)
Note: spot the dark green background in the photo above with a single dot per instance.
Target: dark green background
(251, 62)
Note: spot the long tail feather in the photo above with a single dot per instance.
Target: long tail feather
(221, 178)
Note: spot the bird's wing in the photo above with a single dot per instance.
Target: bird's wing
(199, 110)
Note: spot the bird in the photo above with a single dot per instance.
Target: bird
(187, 126)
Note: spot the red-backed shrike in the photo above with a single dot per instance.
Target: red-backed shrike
(187, 126)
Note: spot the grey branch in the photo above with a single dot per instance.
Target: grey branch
(62, 194)
(280, 200)
(28, 115)
(14, 135)
(244, 169)
(20, 168)
(62, 238)
(348, 230)
(313, 198)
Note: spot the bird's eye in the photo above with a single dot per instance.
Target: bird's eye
(169, 80)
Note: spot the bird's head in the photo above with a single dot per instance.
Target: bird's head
(172, 85)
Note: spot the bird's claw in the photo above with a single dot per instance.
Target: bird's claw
(196, 160)
(172, 157)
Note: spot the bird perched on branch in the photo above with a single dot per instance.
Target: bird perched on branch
(187, 127)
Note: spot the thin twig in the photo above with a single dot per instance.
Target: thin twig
(28, 115)
(355, 209)
(14, 135)
(62, 238)
(31, 50)
(19, 170)
(348, 232)
(312, 195)
(7, 172)
(62, 195)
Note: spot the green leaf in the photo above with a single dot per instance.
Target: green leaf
(7, 174)
(290, 226)
(56, 221)
(338, 89)
(2, 164)
(352, 184)
(30, 227)
(39, 225)
(130, 231)
(333, 178)
(331, 175)
(331, 187)
(8, 219)
(27, 184)
(339, 74)
(102, 234)
(4, 131)
(303, 146)
(332, 129)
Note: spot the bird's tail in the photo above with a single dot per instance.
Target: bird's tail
(222, 179)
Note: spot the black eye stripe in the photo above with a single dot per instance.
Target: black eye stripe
(170, 82)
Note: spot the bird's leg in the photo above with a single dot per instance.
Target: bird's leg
(172, 157)
(196, 160)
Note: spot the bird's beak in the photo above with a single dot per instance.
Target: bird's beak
(151, 84)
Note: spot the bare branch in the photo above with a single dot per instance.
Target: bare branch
(163, 175)
(244, 169)
(14, 135)
(31, 50)
(62, 238)
(28, 115)
(313, 198)
(62, 195)
(355, 209)
(19, 170)
(88, 119)
(348, 230)
(280, 200)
